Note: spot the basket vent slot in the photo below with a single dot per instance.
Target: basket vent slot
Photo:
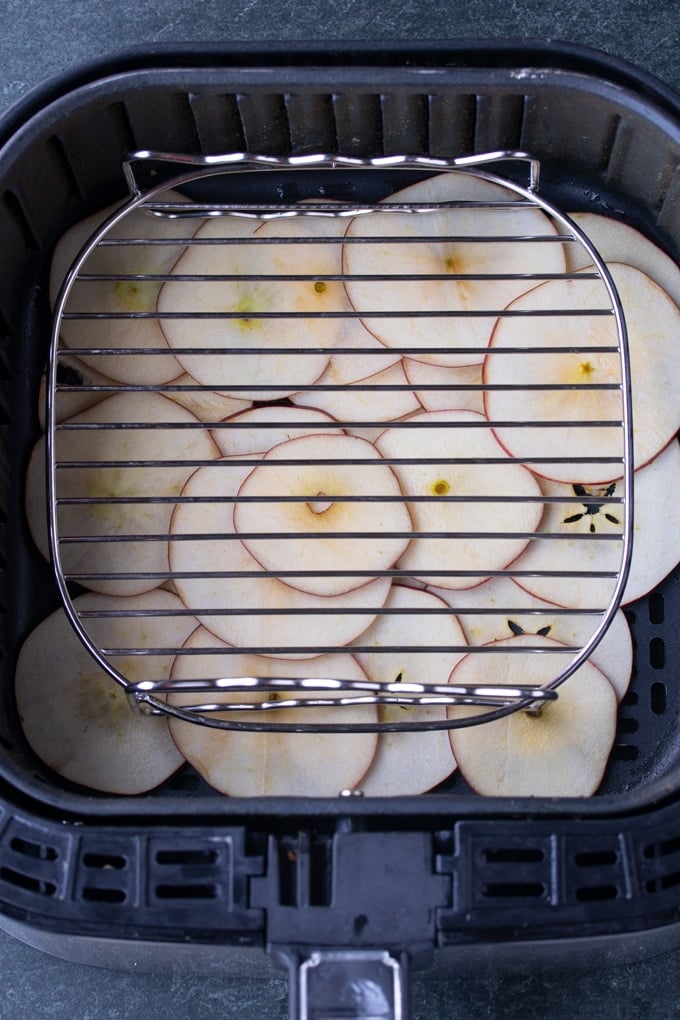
(655, 607)
(28, 882)
(452, 123)
(514, 855)
(657, 698)
(358, 123)
(187, 856)
(591, 893)
(28, 848)
(506, 890)
(98, 894)
(107, 862)
(657, 653)
(596, 858)
(190, 891)
(312, 123)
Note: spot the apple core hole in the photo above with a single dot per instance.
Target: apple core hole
(441, 487)
(320, 505)
(319, 286)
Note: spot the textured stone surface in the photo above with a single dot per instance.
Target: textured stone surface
(40, 38)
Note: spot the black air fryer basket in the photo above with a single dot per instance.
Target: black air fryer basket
(347, 892)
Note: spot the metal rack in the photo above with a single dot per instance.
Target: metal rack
(216, 698)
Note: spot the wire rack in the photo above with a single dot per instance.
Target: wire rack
(366, 400)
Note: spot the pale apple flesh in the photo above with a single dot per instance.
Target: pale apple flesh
(560, 750)
(410, 762)
(474, 518)
(234, 597)
(459, 308)
(309, 527)
(76, 717)
(255, 764)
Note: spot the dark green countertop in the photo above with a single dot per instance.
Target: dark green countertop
(42, 38)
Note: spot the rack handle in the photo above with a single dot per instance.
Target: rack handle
(348, 984)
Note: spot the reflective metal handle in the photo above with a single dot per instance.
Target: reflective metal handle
(348, 985)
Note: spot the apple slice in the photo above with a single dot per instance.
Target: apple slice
(656, 537)
(366, 401)
(654, 344)
(73, 372)
(76, 718)
(410, 762)
(451, 386)
(252, 764)
(462, 526)
(502, 608)
(247, 607)
(440, 245)
(257, 429)
(116, 295)
(269, 317)
(616, 241)
(560, 750)
(305, 528)
(96, 442)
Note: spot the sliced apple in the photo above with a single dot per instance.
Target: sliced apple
(245, 606)
(97, 441)
(461, 526)
(616, 241)
(654, 343)
(440, 245)
(257, 429)
(656, 537)
(446, 387)
(306, 528)
(267, 317)
(116, 294)
(76, 718)
(410, 762)
(252, 764)
(559, 751)
(366, 401)
(500, 608)
(73, 372)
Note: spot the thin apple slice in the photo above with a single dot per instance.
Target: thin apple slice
(116, 295)
(654, 344)
(96, 442)
(257, 429)
(559, 751)
(366, 401)
(269, 317)
(73, 372)
(616, 241)
(462, 525)
(450, 386)
(306, 528)
(76, 718)
(410, 762)
(500, 608)
(440, 245)
(656, 537)
(246, 607)
(252, 764)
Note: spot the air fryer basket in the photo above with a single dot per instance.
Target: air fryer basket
(229, 878)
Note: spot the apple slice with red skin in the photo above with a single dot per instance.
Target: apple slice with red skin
(410, 762)
(257, 429)
(433, 252)
(616, 241)
(246, 304)
(517, 611)
(358, 404)
(235, 607)
(495, 525)
(254, 764)
(343, 536)
(76, 717)
(654, 345)
(115, 295)
(100, 441)
(656, 537)
(560, 750)
(451, 383)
